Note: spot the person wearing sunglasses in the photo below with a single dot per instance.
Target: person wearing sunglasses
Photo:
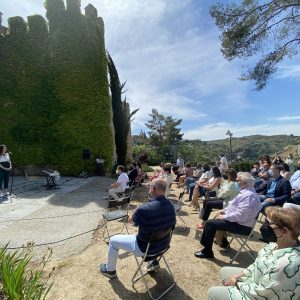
(275, 272)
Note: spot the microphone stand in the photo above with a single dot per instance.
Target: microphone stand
(12, 173)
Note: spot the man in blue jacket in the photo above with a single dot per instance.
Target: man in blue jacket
(277, 191)
(155, 215)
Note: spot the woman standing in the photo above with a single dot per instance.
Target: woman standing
(5, 167)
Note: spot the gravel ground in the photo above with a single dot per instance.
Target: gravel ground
(77, 277)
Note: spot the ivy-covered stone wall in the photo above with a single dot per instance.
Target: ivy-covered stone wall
(54, 91)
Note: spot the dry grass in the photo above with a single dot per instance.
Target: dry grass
(77, 277)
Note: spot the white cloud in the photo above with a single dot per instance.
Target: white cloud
(214, 131)
(292, 71)
(287, 118)
(169, 58)
(169, 62)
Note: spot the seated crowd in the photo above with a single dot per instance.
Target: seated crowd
(271, 188)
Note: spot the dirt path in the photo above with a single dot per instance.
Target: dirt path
(77, 277)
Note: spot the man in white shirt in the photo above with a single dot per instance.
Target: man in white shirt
(223, 163)
(295, 183)
(120, 185)
(180, 164)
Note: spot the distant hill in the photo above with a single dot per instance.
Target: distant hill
(247, 148)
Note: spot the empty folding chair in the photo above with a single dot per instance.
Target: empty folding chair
(177, 208)
(149, 256)
(129, 191)
(242, 240)
(118, 214)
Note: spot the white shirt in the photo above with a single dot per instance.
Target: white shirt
(205, 175)
(180, 162)
(210, 181)
(295, 180)
(223, 164)
(169, 179)
(5, 158)
(123, 180)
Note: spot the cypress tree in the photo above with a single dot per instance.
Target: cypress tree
(116, 88)
(121, 112)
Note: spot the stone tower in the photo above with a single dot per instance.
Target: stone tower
(3, 29)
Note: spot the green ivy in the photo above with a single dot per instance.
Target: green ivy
(54, 90)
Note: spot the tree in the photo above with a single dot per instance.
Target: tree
(140, 139)
(270, 28)
(121, 113)
(163, 131)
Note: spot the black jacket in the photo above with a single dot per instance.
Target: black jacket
(282, 191)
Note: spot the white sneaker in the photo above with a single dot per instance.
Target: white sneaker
(1, 195)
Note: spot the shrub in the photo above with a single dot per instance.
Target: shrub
(17, 280)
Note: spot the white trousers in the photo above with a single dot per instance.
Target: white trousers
(124, 242)
(113, 192)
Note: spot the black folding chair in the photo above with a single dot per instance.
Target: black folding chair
(118, 214)
(155, 237)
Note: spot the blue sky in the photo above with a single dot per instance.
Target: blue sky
(169, 54)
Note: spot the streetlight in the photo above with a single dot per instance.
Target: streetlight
(230, 135)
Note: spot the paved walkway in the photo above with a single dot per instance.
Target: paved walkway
(41, 216)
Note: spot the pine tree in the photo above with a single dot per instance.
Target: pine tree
(252, 28)
(163, 131)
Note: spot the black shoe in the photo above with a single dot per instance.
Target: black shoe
(105, 272)
(200, 254)
(153, 265)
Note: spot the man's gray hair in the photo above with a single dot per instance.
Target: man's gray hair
(246, 178)
(161, 185)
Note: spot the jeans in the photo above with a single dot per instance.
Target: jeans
(202, 191)
(192, 187)
(4, 177)
(124, 242)
(189, 181)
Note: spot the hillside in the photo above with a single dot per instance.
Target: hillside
(247, 148)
